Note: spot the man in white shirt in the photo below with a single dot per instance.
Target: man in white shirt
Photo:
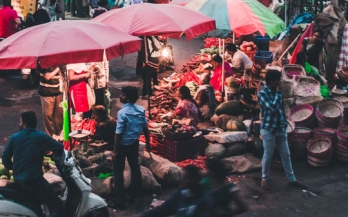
(240, 61)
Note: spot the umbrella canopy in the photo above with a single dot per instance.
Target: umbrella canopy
(64, 42)
(158, 19)
(243, 17)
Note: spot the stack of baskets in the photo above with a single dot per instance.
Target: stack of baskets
(290, 127)
(291, 70)
(303, 115)
(344, 101)
(341, 150)
(342, 73)
(287, 88)
(328, 132)
(298, 141)
(319, 151)
(329, 113)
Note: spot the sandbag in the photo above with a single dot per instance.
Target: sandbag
(232, 107)
(102, 187)
(166, 172)
(149, 183)
(242, 163)
(222, 120)
(234, 148)
(228, 137)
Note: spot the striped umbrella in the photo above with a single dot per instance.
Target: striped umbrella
(242, 17)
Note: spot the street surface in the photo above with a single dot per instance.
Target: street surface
(330, 183)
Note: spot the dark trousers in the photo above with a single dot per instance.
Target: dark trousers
(99, 96)
(131, 152)
(42, 190)
(76, 5)
(149, 74)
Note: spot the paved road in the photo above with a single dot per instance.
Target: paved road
(281, 201)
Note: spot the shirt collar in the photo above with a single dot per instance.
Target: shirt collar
(127, 104)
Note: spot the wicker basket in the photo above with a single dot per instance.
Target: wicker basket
(325, 131)
(338, 92)
(330, 109)
(343, 73)
(342, 134)
(343, 100)
(301, 113)
(286, 109)
(307, 86)
(312, 100)
(289, 70)
(301, 134)
(287, 88)
(319, 147)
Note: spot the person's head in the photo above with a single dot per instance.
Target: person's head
(273, 78)
(129, 94)
(53, 2)
(103, 3)
(191, 176)
(205, 79)
(184, 93)
(216, 61)
(27, 120)
(216, 170)
(318, 34)
(99, 113)
(7, 3)
(231, 49)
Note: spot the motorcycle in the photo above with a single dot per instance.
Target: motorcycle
(77, 196)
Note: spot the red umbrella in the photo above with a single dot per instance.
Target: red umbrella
(158, 19)
(64, 42)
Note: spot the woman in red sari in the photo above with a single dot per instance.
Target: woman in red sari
(215, 80)
(78, 75)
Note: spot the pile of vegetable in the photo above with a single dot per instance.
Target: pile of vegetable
(189, 76)
(248, 46)
(210, 42)
(195, 61)
(156, 143)
(192, 86)
(199, 162)
(5, 174)
(162, 102)
(211, 50)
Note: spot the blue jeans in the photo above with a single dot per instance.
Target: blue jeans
(270, 139)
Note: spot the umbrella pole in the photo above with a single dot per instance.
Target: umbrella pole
(147, 77)
(223, 69)
(286, 13)
(69, 105)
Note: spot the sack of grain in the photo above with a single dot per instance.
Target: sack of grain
(149, 183)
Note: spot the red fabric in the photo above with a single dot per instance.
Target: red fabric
(189, 76)
(79, 92)
(158, 19)
(215, 80)
(7, 22)
(65, 42)
(308, 33)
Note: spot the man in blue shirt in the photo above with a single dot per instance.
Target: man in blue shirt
(273, 129)
(28, 148)
(131, 123)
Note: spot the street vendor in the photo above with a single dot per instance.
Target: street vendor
(240, 61)
(215, 80)
(105, 127)
(205, 97)
(301, 59)
(313, 47)
(187, 106)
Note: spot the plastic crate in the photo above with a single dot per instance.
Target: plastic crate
(266, 56)
(182, 150)
(178, 136)
(262, 42)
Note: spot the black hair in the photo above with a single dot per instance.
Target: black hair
(101, 112)
(206, 79)
(231, 47)
(7, 2)
(52, 2)
(131, 93)
(193, 171)
(272, 75)
(41, 16)
(29, 119)
(216, 167)
(320, 32)
(300, 56)
(217, 59)
(185, 92)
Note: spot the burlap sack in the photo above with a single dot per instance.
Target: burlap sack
(149, 183)
(102, 187)
(234, 148)
(166, 172)
(242, 163)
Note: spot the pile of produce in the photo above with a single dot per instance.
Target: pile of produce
(189, 76)
(192, 86)
(85, 124)
(5, 173)
(210, 42)
(199, 162)
(211, 50)
(156, 143)
(248, 46)
(162, 102)
(195, 61)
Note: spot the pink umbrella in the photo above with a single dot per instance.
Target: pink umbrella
(158, 19)
(64, 42)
